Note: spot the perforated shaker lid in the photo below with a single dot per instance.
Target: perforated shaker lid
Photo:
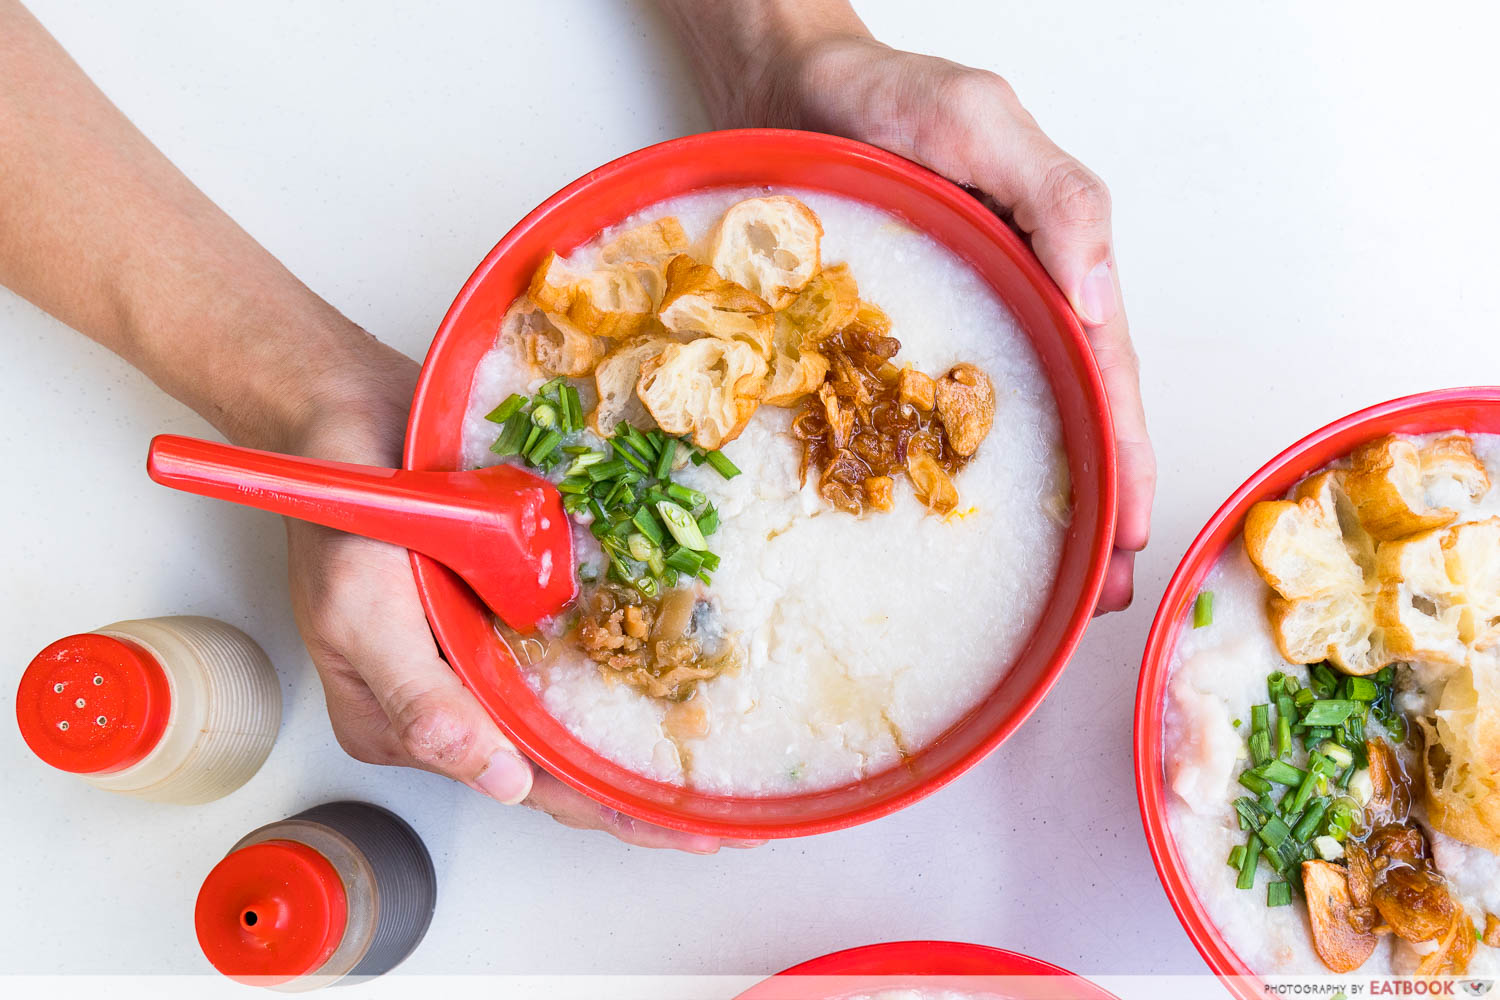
(92, 704)
(271, 912)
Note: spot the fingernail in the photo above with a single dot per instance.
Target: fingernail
(697, 844)
(506, 778)
(1096, 297)
(746, 843)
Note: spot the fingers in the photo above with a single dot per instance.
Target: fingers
(1135, 459)
(357, 607)
(571, 807)
(1119, 583)
(1065, 209)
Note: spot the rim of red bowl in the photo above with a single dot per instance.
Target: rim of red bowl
(1471, 408)
(748, 158)
(927, 960)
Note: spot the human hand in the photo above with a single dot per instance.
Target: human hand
(968, 125)
(391, 697)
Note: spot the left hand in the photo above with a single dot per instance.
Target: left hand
(968, 125)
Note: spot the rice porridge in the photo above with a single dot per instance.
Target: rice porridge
(850, 641)
(1219, 681)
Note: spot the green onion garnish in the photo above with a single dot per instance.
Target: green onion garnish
(1278, 894)
(574, 406)
(685, 561)
(1203, 610)
(502, 413)
(648, 525)
(664, 458)
(682, 526)
(512, 436)
(1330, 712)
(1247, 863)
(722, 465)
(688, 498)
(708, 523)
(544, 447)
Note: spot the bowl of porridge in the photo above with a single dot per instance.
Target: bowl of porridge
(926, 970)
(839, 469)
(1316, 743)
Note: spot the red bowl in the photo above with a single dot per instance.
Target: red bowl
(925, 201)
(949, 965)
(1474, 409)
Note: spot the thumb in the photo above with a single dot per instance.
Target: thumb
(442, 728)
(370, 623)
(1065, 209)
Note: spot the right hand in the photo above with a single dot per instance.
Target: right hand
(391, 697)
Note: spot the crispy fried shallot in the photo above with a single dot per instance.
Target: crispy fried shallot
(1341, 947)
(1388, 884)
(871, 422)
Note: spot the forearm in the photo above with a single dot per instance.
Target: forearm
(100, 230)
(739, 47)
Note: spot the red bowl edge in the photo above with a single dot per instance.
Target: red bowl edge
(929, 958)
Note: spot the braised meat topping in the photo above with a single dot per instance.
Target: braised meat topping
(653, 645)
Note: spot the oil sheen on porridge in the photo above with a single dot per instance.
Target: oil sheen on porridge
(863, 637)
(1218, 673)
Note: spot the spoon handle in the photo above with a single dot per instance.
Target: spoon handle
(386, 504)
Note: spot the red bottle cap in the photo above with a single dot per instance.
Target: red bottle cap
(271, 912)
(91, 704)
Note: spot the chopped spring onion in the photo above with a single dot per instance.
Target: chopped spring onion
(1336, 753)
(1396, 726)
(575, 407)
(1330, 712)
(1260, 748)
(1254, 782)
(665, 457)
(652, 530)
(544, 448)
(688, 498)
(722, 465)
(641, 547)
(1203, 610)
(682, 526)
(685, 561)
(1311, 819)
(581, 463)
(512, 436)
(544, 415)
(648, 525)
(1281, 772)
(505, 410)
(1279, 894)
(1260, 718)
(1248, 862)
(1328, 848)
(1237, 856)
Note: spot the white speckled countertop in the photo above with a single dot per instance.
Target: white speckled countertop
(1303, 229)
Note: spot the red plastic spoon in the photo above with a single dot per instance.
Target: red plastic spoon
(502, 529)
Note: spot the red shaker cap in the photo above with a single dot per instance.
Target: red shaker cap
(92, 704)
(271, 912)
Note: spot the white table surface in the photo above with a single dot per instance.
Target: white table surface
(1306, 225)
